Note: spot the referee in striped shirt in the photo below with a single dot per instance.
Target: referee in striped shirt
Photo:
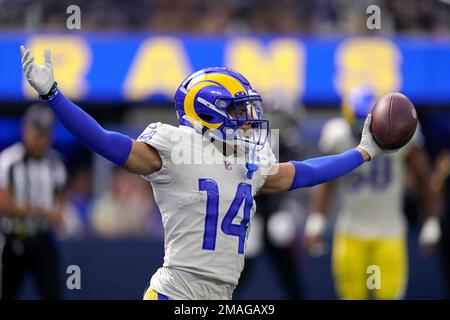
(32, 181)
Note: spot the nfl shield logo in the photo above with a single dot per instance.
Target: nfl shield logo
(228, 165)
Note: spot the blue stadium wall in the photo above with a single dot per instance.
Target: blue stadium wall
(313, 70)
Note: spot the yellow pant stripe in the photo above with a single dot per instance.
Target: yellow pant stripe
(151, 294)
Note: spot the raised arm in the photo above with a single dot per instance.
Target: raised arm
(418, 164)
(134, 156)
(295, 174)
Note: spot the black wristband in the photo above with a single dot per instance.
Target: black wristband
(50, 94)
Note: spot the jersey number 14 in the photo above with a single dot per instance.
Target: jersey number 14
(243, 195)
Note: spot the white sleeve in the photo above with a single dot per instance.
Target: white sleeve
(161, 137)
(60, 176)
(268, 161)
(335, 137)
(4, 171)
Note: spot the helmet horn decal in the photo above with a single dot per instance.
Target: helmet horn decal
(231, 84)
(189, 105)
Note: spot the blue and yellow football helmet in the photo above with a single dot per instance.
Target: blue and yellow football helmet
(220, 102)
(356, 106)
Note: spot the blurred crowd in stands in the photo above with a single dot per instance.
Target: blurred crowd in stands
(125, 209)
(231, 16)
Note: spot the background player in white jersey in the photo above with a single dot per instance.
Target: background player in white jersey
(204, 173)
(370, 227)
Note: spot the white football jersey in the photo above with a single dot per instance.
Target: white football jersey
(371, 195)
(206, 202)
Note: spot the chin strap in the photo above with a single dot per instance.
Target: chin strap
(251, 168)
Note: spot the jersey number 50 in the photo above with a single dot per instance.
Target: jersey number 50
(243, 194)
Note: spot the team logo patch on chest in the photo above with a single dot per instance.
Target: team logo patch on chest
(228, 165)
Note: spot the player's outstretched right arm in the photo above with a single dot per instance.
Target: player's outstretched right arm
(134, 156)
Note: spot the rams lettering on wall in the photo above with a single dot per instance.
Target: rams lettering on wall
(286, 69)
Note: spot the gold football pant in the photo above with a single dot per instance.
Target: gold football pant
(369, 268)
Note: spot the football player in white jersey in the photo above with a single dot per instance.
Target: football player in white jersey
(204, 173)
(370, 227)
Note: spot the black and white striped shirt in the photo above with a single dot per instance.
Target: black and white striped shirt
(33, 182)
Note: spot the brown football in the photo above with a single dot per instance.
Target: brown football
(394, 121)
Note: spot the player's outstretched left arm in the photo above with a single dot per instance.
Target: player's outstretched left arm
(134, 156)
(295, 174)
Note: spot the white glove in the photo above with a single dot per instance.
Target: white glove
(314, 228)
(315, 225)
(367, 142)
(39, 77)
(430, 232)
